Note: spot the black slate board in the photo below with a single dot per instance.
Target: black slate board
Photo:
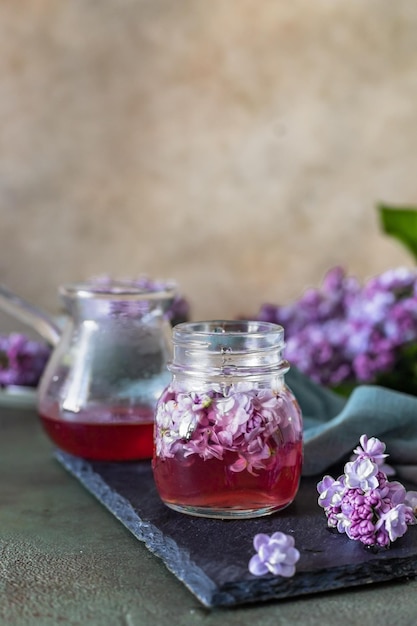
(211, 556)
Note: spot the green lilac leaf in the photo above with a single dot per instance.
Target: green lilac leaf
(401, 223)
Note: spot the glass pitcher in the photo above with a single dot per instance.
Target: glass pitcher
(97, 394)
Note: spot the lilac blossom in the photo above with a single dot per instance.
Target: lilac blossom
(178, 420)
(362, 474)
(331, 491)
(276, 555)
(371, 448)
(363, 503)
(395, 521)
(234, 420)
(22, 360)
(343, 332)
(375, 449)
(231, 416)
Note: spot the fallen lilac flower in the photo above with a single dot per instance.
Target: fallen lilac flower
(276, 555)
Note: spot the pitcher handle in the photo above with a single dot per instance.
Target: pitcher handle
(30, 315)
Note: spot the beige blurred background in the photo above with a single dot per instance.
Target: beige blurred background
(239, 147)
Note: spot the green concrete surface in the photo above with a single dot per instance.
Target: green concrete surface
(65, 560)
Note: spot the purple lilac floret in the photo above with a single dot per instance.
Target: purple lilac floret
(210, 424)
(343, 332)
(22, 360)
(276, 555)
(363, 503)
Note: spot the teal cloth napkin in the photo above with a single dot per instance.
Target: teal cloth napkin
(333, 425)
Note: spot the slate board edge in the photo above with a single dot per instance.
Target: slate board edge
(229, 594)
(323, 581)
(175, 560)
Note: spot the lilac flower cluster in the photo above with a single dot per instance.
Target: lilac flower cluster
(276, 554)
(209, 424)
(22, 360)
(178, 310)
(363, 503)
(343, 332)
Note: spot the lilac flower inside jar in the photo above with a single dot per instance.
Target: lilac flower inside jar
(228, 431)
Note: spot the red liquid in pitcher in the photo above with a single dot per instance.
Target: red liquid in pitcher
(197, 483)
(109, 434)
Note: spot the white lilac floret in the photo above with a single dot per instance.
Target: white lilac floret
(344, 333)
(275, 554)
(363, 503)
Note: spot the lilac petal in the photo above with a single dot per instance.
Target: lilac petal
(287, 570)
(259, 540)
(282, 538)
(363, 441)
(325, 483)
(293, 556)
(257, 567)
(411, 500)
(239, 465)
(395, 522)
(396, 492)
(411, 497)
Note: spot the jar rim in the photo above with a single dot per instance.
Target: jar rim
(115, 290)
(238, 328)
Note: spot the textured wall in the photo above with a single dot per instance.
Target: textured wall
(239, 147)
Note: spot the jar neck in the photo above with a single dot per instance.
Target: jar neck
(235, 350)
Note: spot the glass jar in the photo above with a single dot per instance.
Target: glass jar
(228, 431)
